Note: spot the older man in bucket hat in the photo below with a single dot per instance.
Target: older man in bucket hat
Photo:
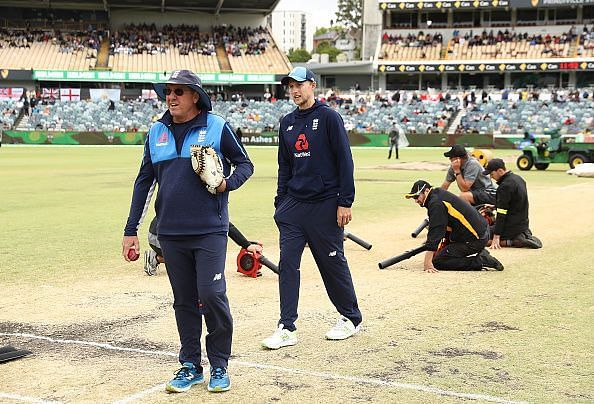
(193, 223)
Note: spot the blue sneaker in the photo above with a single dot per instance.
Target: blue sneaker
(184, 378)
(219, 380)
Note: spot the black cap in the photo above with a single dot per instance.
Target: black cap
(187, 78)
(493, 165)
(417, 188)
(457, 150)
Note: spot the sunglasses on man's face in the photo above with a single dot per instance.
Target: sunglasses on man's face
(178, 91)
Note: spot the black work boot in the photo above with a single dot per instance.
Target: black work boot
(489, 262)
(526, 239)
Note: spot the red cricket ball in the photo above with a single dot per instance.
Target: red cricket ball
(133, 255)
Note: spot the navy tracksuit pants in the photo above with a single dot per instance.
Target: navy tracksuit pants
(314, 224)
(196, 271)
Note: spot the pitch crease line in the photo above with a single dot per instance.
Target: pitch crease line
(25, 398)
(141, 394)
(364, 380)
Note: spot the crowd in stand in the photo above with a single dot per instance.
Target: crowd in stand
(68, 42)
(9, 112)
(586, 44)
(553, 44)
(496, 109)
(240, 41)
(413, 41)
(137, 39)
(492, 38)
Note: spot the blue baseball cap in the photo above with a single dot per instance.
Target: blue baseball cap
(187, 78)
(299, 74)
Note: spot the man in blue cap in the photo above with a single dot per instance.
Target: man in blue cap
(313, 204)
(193, 223)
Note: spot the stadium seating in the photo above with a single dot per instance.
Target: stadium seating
(93, 116)
(48, 49)
(174, 53)
(145, 48)
(508, 46)
(251, 116)
(170, 60)
(411, 47)
(139, 49)
(493, 44)
(9, 111)
(251, 50)
(506, 117)
(271, 61)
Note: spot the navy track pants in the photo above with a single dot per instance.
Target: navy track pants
(314, 224)
(196, 270)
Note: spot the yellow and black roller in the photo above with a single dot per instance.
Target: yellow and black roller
(483, 156)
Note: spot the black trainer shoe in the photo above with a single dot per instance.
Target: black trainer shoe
(489, 262)
(527, 240)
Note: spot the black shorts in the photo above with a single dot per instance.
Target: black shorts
(482, 196)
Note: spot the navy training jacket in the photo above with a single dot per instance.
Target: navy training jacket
(314, 157)
(183, 205)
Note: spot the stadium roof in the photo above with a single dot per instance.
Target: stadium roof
(207, 6)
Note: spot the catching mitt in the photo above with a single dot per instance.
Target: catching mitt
(207, 164)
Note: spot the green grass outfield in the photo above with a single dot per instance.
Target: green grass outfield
(65, 202)
(528, 332)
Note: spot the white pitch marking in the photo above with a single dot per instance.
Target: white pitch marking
(93, 344)
(323, 375)
(141, 394)
(25, 398)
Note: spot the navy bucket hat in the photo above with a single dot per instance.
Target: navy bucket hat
(186, 78)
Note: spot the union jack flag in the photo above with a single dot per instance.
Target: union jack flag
(50, 93)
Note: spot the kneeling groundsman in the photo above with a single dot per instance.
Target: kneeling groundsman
(466, 232)
(511, 227)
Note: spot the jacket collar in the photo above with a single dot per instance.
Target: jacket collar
(503, 177)
(200, 122)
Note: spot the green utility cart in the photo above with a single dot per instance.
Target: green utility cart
(559, 149)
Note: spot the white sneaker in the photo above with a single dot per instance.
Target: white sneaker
(280, 338)
(343, 329)
(150, 262)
